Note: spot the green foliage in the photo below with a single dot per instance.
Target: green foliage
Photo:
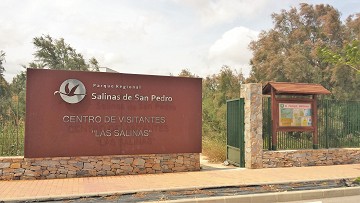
(357, 180)
(339, 123)
(51, 54)
(187, 73)
(289, 52)
(93, 65)
(348, 56)
(12, 116)
(56, 54)
(216, 90)
(346, 71)
(12, 139)
(4, 90)
(4, 101)
(2, 59)
(4, 86)
(18, 89)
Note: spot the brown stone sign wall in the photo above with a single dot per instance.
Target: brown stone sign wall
(70, 113)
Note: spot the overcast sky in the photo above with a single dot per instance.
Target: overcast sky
(145, 36)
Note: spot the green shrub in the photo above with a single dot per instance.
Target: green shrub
(214, 149)
(12, 139)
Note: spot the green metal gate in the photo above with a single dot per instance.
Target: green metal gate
(235, 146)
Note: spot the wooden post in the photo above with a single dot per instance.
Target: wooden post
(273, 119)
(314, 117)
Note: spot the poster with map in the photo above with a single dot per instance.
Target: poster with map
(295, 115)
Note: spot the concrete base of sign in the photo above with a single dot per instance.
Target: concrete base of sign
(20, 168)
(319, 157)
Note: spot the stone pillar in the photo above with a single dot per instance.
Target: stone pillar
(252, 94)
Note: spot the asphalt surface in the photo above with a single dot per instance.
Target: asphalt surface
(211, 192)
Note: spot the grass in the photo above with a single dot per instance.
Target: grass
(357, 180)
(214, 149)
(12, 139)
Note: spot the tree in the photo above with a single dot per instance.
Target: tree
(4, 86)
(216, 90)
(93, 65)
(349, 53)
(187, 73)
(352, 30)
(4, 90)
(345, 61)
(56, 54)
(345, 71)
(18, 89)
(50, 54)
(348, 56)
(2, 59)
(289, 51)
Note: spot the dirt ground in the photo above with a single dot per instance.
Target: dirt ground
(206, 165)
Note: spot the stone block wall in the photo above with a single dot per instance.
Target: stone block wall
(20, 168)
(318, 157)
(252, 94)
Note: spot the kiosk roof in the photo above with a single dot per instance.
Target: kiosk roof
(295, 88)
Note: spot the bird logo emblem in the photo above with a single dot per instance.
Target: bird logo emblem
(72, 91)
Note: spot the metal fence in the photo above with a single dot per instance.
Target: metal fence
(338, 127)
(12, 127)
(11, 139)
(339, 123)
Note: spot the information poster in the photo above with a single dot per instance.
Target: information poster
(295, 115)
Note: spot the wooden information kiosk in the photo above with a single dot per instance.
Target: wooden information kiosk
(294, 108)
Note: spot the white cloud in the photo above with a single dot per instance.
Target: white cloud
(214, 12)
(145, 37)
(232, 49)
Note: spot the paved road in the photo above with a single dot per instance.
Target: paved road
(348, 199)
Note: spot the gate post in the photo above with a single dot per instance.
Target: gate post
(252, 94)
